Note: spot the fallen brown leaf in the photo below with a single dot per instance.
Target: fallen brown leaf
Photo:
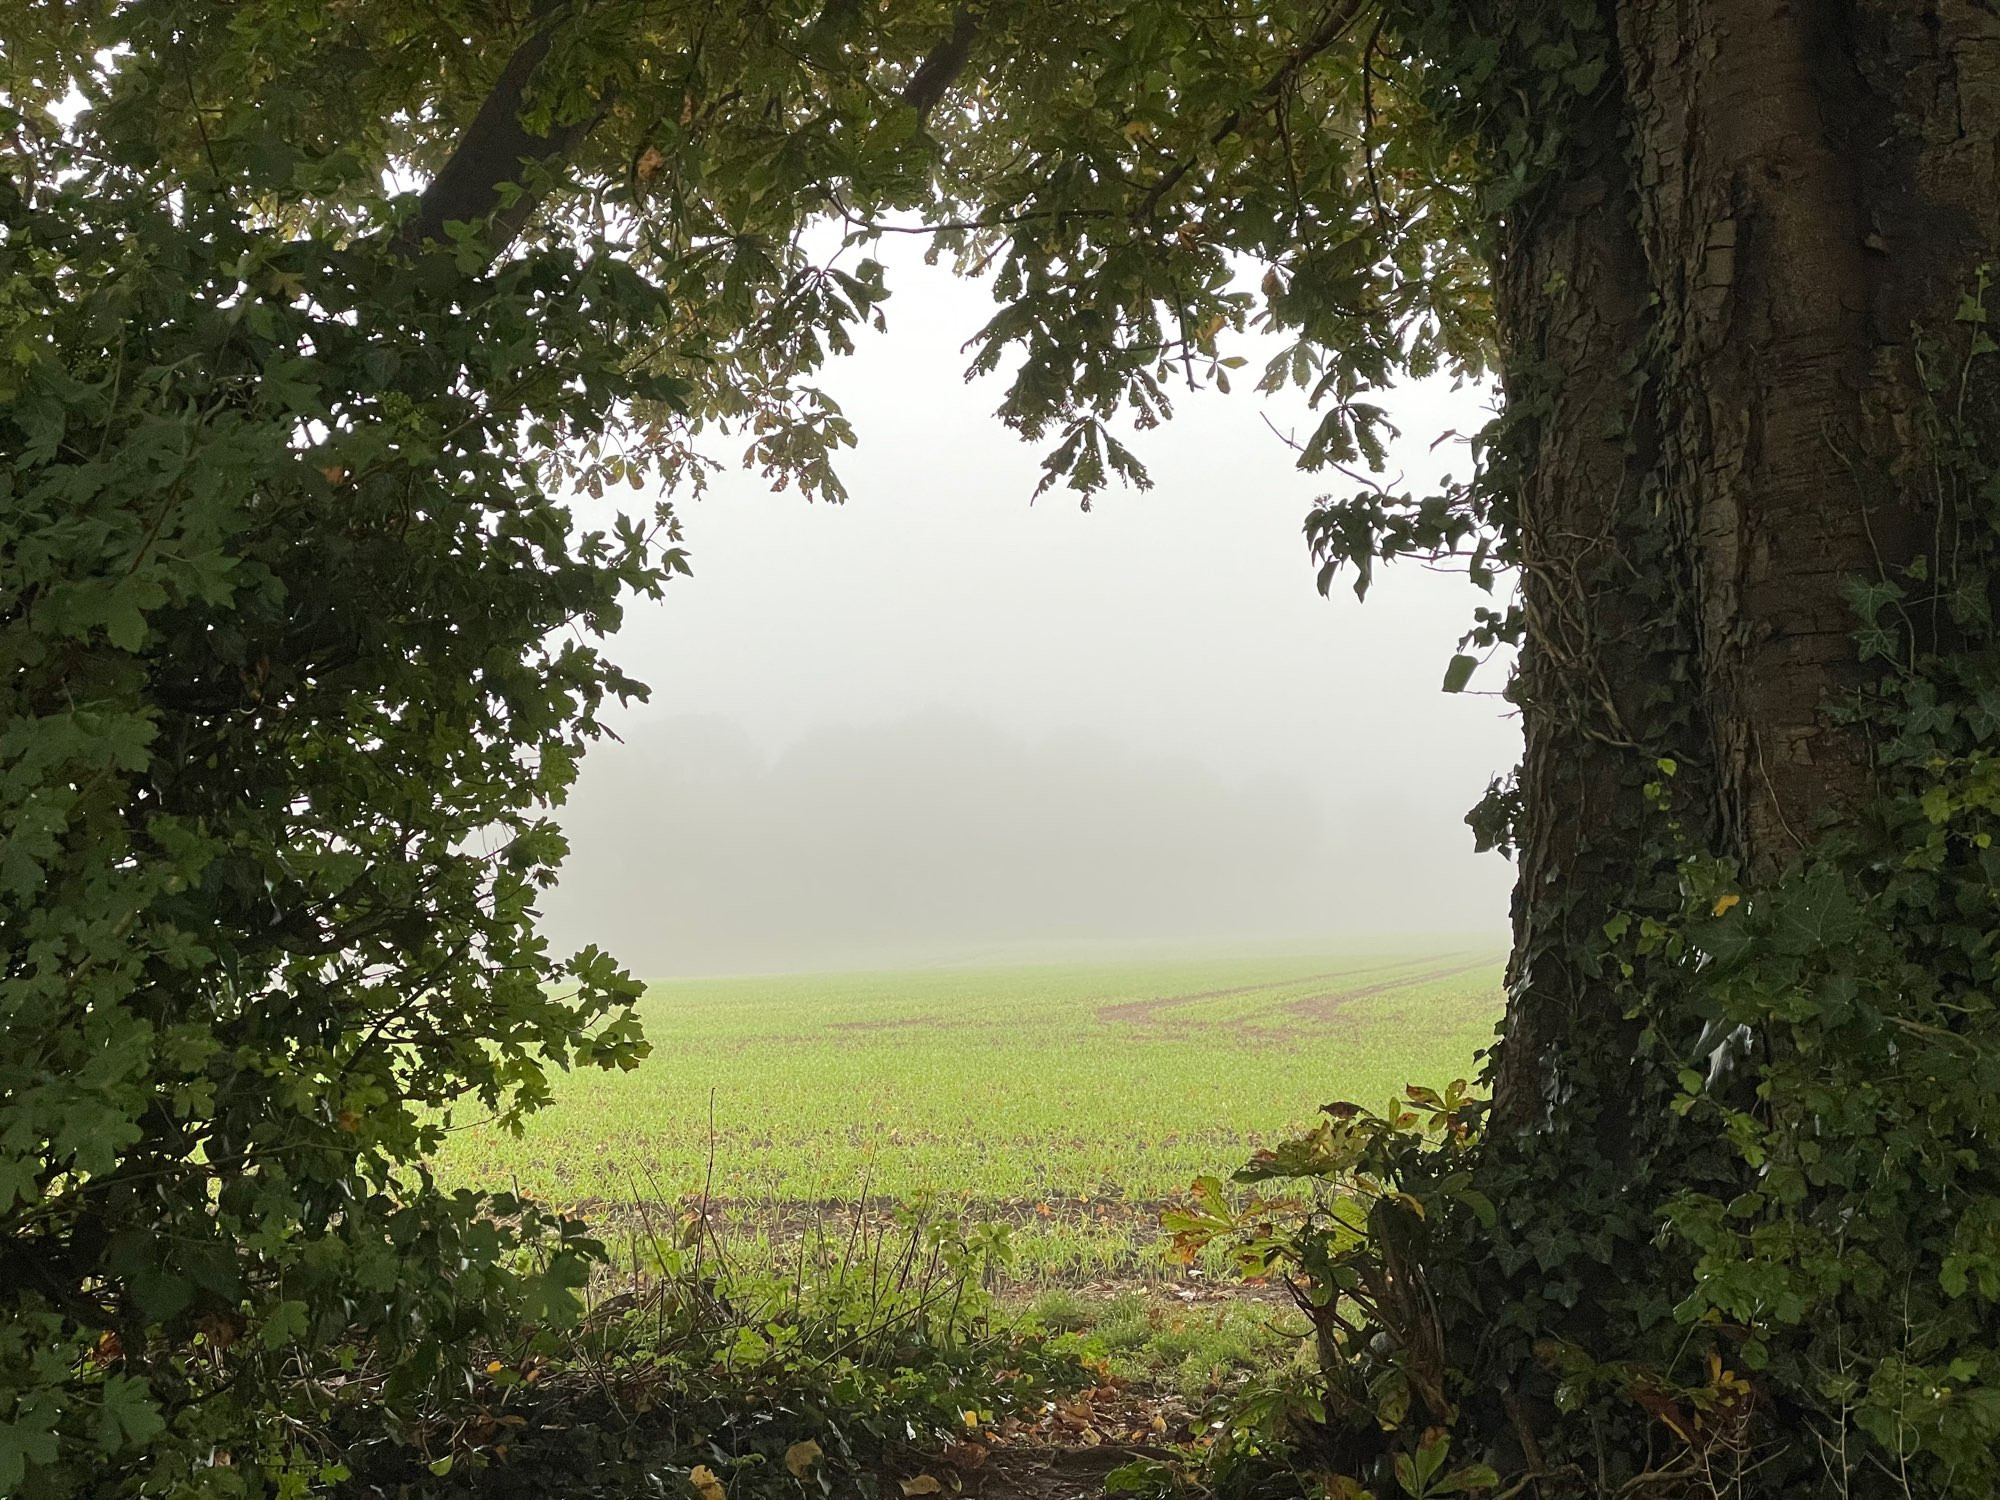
(965, 1455)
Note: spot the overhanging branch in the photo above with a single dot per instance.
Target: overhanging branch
(1338, 17)
(936, 74)
(497, 149)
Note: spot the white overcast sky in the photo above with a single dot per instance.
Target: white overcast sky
(1163, 657)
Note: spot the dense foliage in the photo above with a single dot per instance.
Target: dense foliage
(296, 628)
(290, 680)
(297, 618)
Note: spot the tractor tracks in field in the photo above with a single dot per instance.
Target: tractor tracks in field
(1146, 1012)
(1164, 1016)
(1328, 1007)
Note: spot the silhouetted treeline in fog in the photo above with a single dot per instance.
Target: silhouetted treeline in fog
(935, 836)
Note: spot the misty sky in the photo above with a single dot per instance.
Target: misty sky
(941, 723)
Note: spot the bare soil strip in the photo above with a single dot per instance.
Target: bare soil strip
(1145, 1012)
(1327, 1007)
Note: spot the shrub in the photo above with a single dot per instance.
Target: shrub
(294, 663)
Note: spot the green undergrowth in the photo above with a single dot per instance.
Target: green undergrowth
(714, 1377)
(862, 1364)
(1195, 1350)
(1062, 1251)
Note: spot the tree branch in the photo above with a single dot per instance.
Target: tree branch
(497, 148)
(940, 70)
(1333, 25)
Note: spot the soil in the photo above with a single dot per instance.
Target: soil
(1161, 1017)
(1327, 1007)
(1067, 1473)
(1066, 1452)
(1146, 1012)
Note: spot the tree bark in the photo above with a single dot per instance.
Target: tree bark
(1802, 184)
(497, 149)
(1571, 298)
(1749, 125)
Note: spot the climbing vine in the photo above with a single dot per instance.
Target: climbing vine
(1795, 1286)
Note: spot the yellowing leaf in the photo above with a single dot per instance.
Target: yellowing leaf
(1723, 903)
(702, 1477)
(800, 1457)
(922, 1484)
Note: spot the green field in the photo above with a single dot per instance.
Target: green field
(1071, 1100)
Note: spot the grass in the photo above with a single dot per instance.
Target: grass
(1068, 1100)
(1141, 1334)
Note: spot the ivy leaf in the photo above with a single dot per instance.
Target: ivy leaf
(1814, 916)
(286, 1324)
(1459, 672)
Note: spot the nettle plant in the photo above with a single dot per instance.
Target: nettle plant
(272, 809)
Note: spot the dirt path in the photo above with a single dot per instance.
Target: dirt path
(1164, 1016)
(1068, 1473)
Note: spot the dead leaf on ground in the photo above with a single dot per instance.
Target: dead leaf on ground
(922, 1484)
(965, 1455)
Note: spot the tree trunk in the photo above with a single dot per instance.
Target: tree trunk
(1769, 170)
(1714, 320)
(1572, 297)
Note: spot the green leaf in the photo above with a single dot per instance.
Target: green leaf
(1459, 672)
(286, 1323)
(1467, 1477)
(1481, 1206)
(127, 1418)
(28, 1439)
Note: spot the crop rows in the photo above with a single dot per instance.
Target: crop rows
(1068, 1100)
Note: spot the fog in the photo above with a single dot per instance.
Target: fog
(940, 723)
